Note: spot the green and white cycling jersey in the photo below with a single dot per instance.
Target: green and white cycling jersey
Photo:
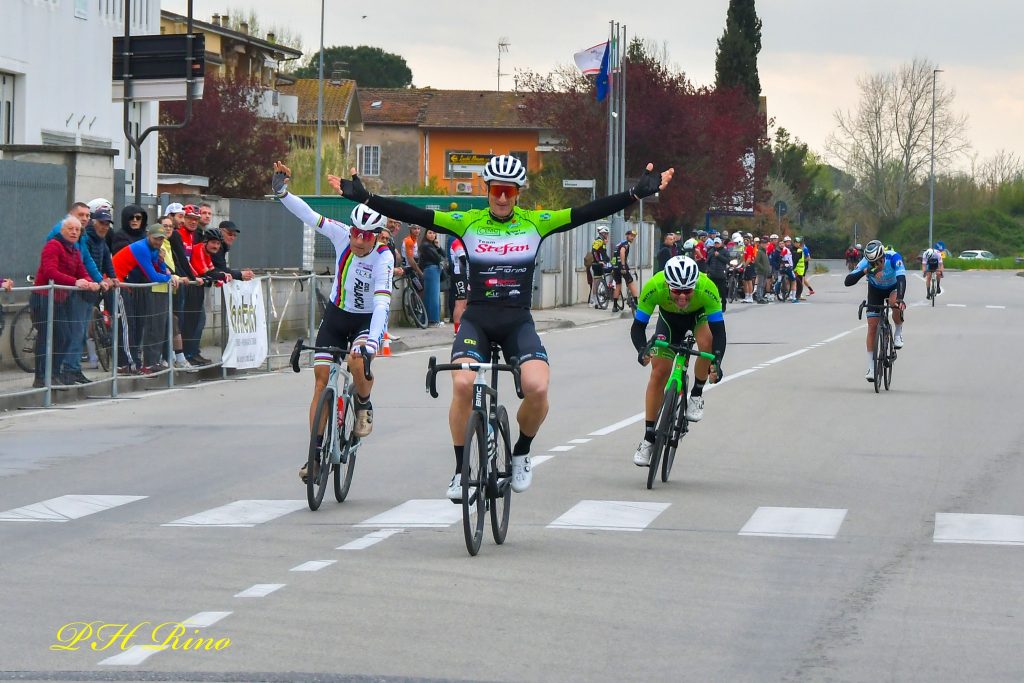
(705, 304)
(502, 256)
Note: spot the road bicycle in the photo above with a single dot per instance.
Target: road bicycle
(784, 285)
(671, 424)
(487, 460)
(733, 284)
(332, 446)
(605, 290)
(23, 337)
(884, 354)
(933, 287)
(412, 303)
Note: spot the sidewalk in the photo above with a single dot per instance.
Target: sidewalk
(411, 338)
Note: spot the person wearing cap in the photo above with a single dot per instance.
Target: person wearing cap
(620, 270)
(749, 255)
(763, 270)
(95, 240)
(718, 265)
(599, 261)
(786, 269)
(140, 263)
(192, 300)
(803, 270)
(229, 231)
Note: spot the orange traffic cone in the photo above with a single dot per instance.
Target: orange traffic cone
(385, 350)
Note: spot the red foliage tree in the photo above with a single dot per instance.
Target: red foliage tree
(226, 140)
(704, 133)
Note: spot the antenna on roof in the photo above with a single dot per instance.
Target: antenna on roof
(503, 46)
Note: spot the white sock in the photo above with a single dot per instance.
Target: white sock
(871, 362)
(91, 346)
(899, 330)
(179, 356)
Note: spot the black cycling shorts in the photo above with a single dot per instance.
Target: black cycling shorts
(340, 328)
(876, 295)
(674, 326)
(618, 274)
(597, 270)
(460, 285)
(931, 268)
(749, 273)
(511, 328)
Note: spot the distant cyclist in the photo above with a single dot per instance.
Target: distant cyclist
(620, 269)
(931, 266)
(887, 279)
(502, 243)
(360, 296)
(687, 300)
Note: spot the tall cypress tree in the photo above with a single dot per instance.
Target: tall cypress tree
(736, 58)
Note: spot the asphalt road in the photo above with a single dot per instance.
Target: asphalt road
(812, 530)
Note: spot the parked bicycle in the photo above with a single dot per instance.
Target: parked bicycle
(412, 303)
(332, 446)
(487, 461)
(884, 354)
(733, 281)
(605, 290)
(784, 284)
(672, 425)
(23, 337)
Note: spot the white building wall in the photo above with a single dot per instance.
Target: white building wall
(60, 54)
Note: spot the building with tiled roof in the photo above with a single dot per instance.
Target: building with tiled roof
(342, 114)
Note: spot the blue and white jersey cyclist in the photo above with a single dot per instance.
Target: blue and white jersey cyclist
(887, 279)
(502, 243)
(360, 297)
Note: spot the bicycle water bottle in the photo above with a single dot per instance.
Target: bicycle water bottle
(341, 412)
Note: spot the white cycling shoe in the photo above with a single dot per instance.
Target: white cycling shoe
(642, 456)
(455, 489)
(870, 375)
(695, 408)
(898, 341)
(522, 473)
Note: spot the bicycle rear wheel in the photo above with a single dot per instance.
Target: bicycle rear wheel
(602, 294)
(101, 335)
(879, 356)
(412, 304)
(679, 429)
(474, 481)
(318, 463)
(662, 433)
(343, 470)
(23, 340)
(501, 478)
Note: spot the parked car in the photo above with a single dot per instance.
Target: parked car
(976, 254)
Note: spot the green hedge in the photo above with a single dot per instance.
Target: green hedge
(987, 229)
(1006, 263)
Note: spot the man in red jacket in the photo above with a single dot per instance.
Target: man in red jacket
(60, 263)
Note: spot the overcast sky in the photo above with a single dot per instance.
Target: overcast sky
(812, 50)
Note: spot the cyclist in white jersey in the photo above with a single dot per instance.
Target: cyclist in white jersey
(360, 295)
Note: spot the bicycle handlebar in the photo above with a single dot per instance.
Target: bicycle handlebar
(679, 349)
(335, 352)
(874, 307)
(433, 367)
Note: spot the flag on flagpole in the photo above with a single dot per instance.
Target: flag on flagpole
(589, 61)
(601, 82)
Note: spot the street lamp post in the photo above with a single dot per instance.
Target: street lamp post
(931, 180)
(320, 101)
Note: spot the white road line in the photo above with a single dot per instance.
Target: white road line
(995, 306)
(418, 514)
(731, 377)
(794, 522)
(956, 305)
(133, 656)
(840, 335)
(560, 449)
(241, 513)
(779, 359)
(204, 619)
(983, 529)
(578, 441)
(66, 508)
(259, 590)
(314, 565)
(609, 515)
(618, 425)
(370, 539)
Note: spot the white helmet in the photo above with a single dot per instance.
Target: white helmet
(929, 253)
(874, 250)
(365, 218)
(100, 203)
(506, 169)
(681, 272)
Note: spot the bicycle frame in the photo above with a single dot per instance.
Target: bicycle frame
(681, 362)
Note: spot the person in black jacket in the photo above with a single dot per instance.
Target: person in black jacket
(718, 263)
(668, 250)
(229, 231)
(430, 259)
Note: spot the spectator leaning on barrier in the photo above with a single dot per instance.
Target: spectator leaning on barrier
(205, 217)
(61, 263)
(411, 250)
(140, 263)
(192, 306)
(161, 298)
(718, 264)
(229, 231)
(95, 239)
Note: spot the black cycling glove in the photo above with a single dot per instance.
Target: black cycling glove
(354, 190)
(279, 183)
(718, 367)
(647, 185)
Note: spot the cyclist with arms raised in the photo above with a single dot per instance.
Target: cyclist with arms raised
(687, 300)
(887, 279)
(502, 243)
(361, 295)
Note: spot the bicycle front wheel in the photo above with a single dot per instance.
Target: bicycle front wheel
(679, 429)
(474, 482)
(662, 433)
(101, 334)
(880, 352)
(318, 463)
(343, 470)
(888, 358)
(412, 304)
(23, 340)
(501, 478)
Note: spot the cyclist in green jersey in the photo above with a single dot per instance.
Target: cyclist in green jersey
(502, 243)
(687, 300)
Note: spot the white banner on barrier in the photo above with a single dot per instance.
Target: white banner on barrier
(247, 325)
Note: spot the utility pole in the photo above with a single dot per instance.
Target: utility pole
(320, 102)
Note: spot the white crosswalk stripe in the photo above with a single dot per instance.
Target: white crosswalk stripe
(241, 513)
(66, 508)
(609, 515)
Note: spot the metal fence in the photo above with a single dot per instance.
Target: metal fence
(32, 198)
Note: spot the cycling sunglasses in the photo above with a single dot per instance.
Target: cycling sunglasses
(363, 234)
(679, 292)
(510, 191)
